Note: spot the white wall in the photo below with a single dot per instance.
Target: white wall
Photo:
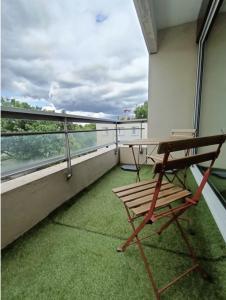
(172, 74)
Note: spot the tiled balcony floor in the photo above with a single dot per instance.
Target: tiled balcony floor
(71, 254)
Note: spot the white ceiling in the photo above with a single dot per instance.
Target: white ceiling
(175, 12)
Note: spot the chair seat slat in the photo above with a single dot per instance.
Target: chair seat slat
(144, 193)
(138, 189)
(161, 202)
(130, 186)
(148, 199)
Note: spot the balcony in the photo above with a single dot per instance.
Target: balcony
(72, 254)
(61, 223)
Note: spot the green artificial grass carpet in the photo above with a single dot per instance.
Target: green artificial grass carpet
(72, 253)
(98, 209)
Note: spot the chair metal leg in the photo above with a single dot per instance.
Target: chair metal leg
(195, 264)
(203, 273)
(137, 166)
(166, 225)
(158, 291)
(134, 234)
(149, 271)
(143, 256)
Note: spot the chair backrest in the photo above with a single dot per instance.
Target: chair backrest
(177, 145)
(184, 133)
(181, 163)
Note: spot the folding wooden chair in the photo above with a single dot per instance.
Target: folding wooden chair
(152, 200)
(177, 134)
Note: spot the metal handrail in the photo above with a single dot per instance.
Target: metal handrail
(28, 114)
(18, 133)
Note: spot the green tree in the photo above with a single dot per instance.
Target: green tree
(12, 125)
(141, 111)
(42, 146)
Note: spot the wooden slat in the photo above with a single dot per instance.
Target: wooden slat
(140, 210)
(148, 199)
(132, 185)
(166, 200)
(144, 193)
(181, 163)
(183, 144)
(138, 189)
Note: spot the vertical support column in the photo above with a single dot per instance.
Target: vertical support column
(116, 138)
(67, 150)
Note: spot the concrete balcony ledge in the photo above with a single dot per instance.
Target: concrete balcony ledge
(28, 199)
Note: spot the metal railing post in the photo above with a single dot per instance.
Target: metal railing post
(67, 150)
(141, 129)
(116, 138)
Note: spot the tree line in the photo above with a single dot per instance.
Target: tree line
(43, 146)
(12, 125)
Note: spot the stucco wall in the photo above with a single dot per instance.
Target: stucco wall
(172, 73)
(213, 109)
(29, 199)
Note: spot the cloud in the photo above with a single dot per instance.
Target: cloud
(101, 18)
(86, 56)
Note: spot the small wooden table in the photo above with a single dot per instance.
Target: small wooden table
(144, 142)
(151, 142)
(147, 142)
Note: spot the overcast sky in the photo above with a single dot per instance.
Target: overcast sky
(78, 55)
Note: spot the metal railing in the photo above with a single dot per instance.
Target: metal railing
(66, 140)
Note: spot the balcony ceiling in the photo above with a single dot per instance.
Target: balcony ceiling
(158, 14)
(170, 13)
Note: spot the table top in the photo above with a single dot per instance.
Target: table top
(149, 142)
